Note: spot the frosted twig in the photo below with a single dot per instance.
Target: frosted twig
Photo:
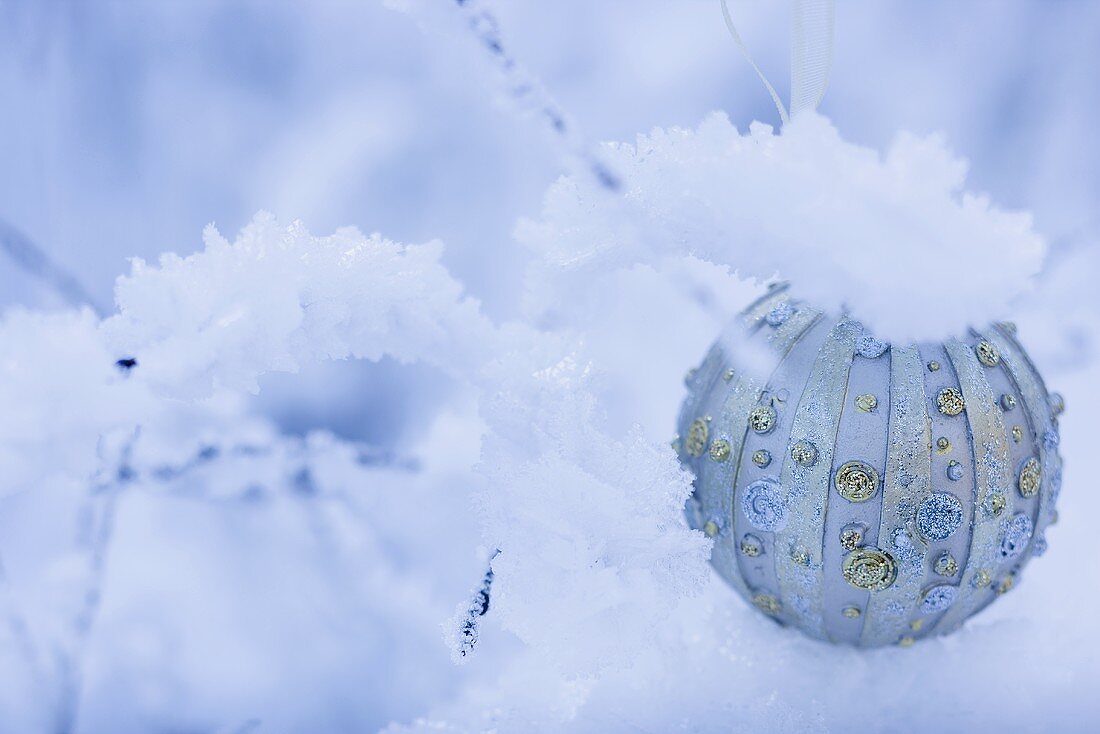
(368, 457)
(528, 94)
(464, 629)
(34, 260)
(97, 538)
(18, 628)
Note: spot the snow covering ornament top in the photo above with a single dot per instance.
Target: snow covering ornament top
(868, 493)
(877, 235)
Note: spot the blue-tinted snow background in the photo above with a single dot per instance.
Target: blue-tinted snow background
(246, 597)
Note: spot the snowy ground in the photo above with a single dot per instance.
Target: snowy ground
(288, 561)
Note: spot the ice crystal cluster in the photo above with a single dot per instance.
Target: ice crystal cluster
(601, 614)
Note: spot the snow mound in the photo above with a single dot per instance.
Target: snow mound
(895, 239)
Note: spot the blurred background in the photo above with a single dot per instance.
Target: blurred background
(126, 127)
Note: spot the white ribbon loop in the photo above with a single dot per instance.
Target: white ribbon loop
(812, 28)
(811, 52)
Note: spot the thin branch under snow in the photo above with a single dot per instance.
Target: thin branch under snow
(464, 629)
(95, 535)
(524, 90)
(34, 260)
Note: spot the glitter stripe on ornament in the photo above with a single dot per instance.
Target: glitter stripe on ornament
(1037, 405)
(806, 481)
(790, 330)
(699, 382)
(690, 442)
(695, 432)
(992, 474)
(795, 336)
(707, 374)
(907, 483)
(1022, 448)
(954, 481)
(715, 417)
(855, 499)
(744, 395)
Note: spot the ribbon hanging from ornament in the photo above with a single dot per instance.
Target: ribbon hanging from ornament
(812, 24)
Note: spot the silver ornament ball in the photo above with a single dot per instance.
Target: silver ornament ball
(866, 493)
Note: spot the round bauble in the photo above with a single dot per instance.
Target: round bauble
(867, 493)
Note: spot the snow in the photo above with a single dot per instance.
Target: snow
(183, 551)
(588, 524)
(878, 234)
(275, 298)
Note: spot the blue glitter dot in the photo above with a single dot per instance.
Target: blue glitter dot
(1017, 533)
(870, 347)
(954, 471)
(939, 516)
(779, 315)
(763, 505)
(938, 598)
(1039, 547)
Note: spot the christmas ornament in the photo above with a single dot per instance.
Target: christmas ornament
(868, 493)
